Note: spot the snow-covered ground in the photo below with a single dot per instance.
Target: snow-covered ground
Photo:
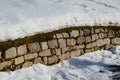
(20, 18)
(90, 66)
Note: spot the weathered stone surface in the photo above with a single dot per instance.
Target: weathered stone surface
(88, 39)
(92, 31)
(111, 33)
(19, 60)
(88, 50)
(97, 48)
(30, 56)
(65, 35)
(105, 34)
(78, 47)
(91, 45)
(10, 53)
(94, 37)
(53, 44)
(66, 49)
(38, 60)
(71, 42)
(108, 46)
(21, 50)
(62, 43)
(34, 47)
(101, 35)
(74, 33)
(44, 45)
(58, 52)
(45, 53)
(80, 40)
(45, 60)
(87, 32)
(100, 42)
(99, 30)
(75, 53)
(52, 59)
(27, 64)
(81, 32)
(116, 41)
(0, 55)
(5, 64)
(64, 56)
(59, 35)
(107, 41)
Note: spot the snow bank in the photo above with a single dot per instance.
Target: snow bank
(27, 17)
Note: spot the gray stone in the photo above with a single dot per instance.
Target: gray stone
(88, 39)
(91, 45)
(66, 49)
(94, 37)
(21, 50)
(45, 53)
(10, 53)
(44, 45)
(34, 47)
(53, 44)
(27, 64)
(64, 56)
(71, 42)
(74, 33)
(80, 40)
(53, 59)
(30, 56)
(87, 32)
(59, 35)
(81, 32)
(75, 53)
(58, 52)
(38, 60)
(78, 47)
(100, 42)
(65, 35)
(62, 43)
(107, 41)
(101, 35)
(116, 41)
(19, 60)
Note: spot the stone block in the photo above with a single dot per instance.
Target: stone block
(94, 37)
(44, 45)
(88, 50)
(21, 50)
(30, 56)
(27, 64)
(64, 56)
(38, 60)
(101, 35)
(45, 60)
(87, 32)
(5, 64)
(66, 49)
(34, 47)
(75, 53)
(62, 43)
(59, 35)
(53, 59)
(116, 41)
(53, 44)
(19, 60)
(88, 39)
(71, 42)
(80, 40)
(66, 35)
(111, 34)
(99, 30)
(0, 55)
(91, 45)
(78, 47)
(107, 41)
(81, 33)
(74, 33)
(10, 53)
(58, 52)
(45, 53)
(100, 42)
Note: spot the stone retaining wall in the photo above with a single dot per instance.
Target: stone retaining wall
(63, 45)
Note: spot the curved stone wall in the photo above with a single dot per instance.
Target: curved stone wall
(62, 44)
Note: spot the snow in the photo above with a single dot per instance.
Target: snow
(20, 18)
(90, 66)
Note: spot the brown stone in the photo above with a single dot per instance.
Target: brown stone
(64, 56)
(111, 34)
(34, 47)
(45, 53)
(91, 45)
(107, 41)
(101, 35)
(66, 49)
(87, 32)
(65, 35)
(100, 42)
(21, 50)
(116, 41)
(88, 50)
(45, 60)
(74, 33)
(58, 52)
(44, 45)
(30, 56)
(10, 53)
(19, 60)
(80, 40)
(0, 55)
(53, 44)
(59, 35)
(62, 43)
(27, 64)
(5, 64)
(99, 30)
(94, 37)
(38, 60)
(78, 47)
(75, 53)
(108, 46)
(71, 42)
(53, 59)
(81, 32)
(88, 39)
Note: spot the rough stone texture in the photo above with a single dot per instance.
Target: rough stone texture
(44, 45)
(108, 46)
(52, 59)
(92, 31)
(100, 42)
(59, 35)
(65, 35)
(45, 60)
(66, 49)
(75, 53)
(27, 64)
(10, 53)
(71, 42)
(96, 48)
(88, 50)
(0, 55)
(101, 35)
(58, 52)
(62, 43)
(64, 56)
(74, 33)
(116, 41)
(99, 30)
(80, 40)
(19, 60)
(105, 34)
(88, 39)
(21, 50)
(34, 47)
(38, 60)
(87, 32)
(81, 32)
(5, 64)
(78, 47)
(30, 56)
(111, 33)
(91, 45)
(107, 41)
(45, 53)
(94, 37)
(53, 44)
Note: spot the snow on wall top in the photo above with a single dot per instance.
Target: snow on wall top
(20, 18)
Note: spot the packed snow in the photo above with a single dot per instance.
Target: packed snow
(90, 66)
(20, 18)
